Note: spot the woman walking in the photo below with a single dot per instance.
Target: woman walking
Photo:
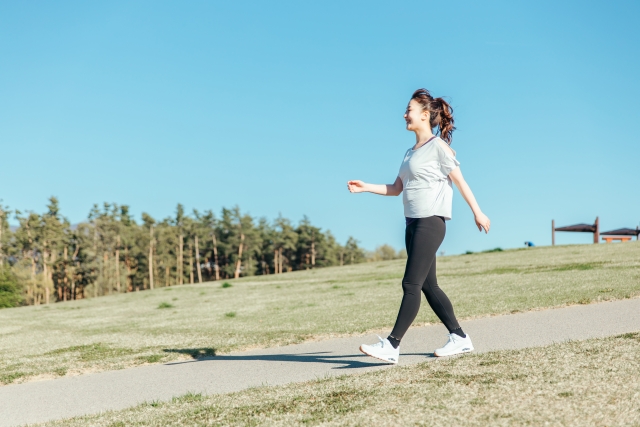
(425, 176)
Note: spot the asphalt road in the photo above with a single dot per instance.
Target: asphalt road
(87, 394)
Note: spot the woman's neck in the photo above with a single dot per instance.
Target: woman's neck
(422, 137)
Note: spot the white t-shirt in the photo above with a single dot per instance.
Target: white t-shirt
(427, 188)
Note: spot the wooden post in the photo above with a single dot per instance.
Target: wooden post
(596, 235)
(553, 232)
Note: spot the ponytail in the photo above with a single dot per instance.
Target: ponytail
(440, 113)
(445, 120)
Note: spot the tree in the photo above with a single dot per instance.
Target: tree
(384, 253)
(285, 241)
(54, 234)
(10, 288)
(329, 250)
(178, 223)
(265, 254)
(107, 245)
(239, 241)
(353, 254)
(82, 262)
(149, 222)
(28, 253)
(5, 232)
(131, 245)
(209, 234)
(110, 252)
(190, 235)
(307, 244)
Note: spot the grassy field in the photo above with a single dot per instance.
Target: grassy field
(182, 322)
(577, 383)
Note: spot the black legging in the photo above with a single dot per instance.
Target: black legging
(423, 238)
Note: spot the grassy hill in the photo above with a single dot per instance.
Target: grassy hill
(189, 321)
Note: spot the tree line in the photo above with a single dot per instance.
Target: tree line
(46, 259)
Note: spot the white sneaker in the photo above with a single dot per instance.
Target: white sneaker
(455, 345)
(382, 350)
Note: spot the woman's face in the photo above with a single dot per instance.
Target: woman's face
(415, 117)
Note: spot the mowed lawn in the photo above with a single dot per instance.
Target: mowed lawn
(579, 383)
(194, 320)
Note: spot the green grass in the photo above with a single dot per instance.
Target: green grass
(125, 330)
(91, 352)
(580, 383)
(154, 358)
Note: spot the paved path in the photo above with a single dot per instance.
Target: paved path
(87, 394)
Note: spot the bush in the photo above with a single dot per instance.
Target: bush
(385, 253)
(10, 289)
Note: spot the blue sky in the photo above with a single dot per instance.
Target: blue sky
(273, 106)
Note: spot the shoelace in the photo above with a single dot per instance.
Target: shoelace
(452, 339)
(379, 344)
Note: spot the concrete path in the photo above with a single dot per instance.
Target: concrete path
(66, 397)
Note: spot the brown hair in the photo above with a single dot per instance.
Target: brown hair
(440, 113)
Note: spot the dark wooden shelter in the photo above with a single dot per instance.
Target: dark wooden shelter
(579, 228)
(623, 232)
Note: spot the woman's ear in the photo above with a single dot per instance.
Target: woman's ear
(425, 116)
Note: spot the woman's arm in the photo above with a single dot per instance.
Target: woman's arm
(482, 221)
(382, 189)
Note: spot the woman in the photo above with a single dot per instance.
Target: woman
(425, 176)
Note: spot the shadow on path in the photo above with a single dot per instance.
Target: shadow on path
(344, 361)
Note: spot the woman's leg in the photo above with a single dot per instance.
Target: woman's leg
(458, 341)
(423, 238)
(439, 302)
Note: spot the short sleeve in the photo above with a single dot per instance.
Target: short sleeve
(448, 163)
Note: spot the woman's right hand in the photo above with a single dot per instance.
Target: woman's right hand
(356, 186)
(483, 222)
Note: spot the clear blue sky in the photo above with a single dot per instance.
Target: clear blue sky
(273, 106)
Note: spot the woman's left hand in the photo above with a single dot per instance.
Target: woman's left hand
(483, 222)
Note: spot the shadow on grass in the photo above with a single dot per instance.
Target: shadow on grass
(343, 361)
(196, 353)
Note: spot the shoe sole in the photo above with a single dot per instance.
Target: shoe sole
(464, 350)
(376, 357)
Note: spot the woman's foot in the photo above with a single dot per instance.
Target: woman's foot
(455, 345)
(382, 350)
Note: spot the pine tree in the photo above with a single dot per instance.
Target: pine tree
(148, 223)
(5, 232)
(110, 252)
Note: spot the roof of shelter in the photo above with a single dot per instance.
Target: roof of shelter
(591, 228)
(622, 232)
